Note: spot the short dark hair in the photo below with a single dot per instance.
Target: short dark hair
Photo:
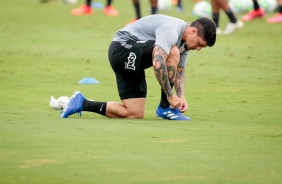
(206, 30)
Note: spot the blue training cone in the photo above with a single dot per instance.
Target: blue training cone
(88, 80)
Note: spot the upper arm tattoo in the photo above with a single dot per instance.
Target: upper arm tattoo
(160, 69)
(180, 82)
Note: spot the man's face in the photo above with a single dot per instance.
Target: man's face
(194, 42)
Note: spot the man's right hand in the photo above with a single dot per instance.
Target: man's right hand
(174, 101)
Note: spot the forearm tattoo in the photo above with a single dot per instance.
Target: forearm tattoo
(159, 63)
(179, 82)
(171, 73)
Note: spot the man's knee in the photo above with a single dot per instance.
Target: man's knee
(136, 115)
(135, 107)
(139, 116)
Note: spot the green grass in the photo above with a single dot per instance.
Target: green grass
(233, 89)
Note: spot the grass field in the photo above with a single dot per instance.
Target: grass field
(233, 89)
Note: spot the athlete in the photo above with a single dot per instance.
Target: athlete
(156, 40)
(86, 9)
(137, 9)
(257, 12)
(234, 23)
(278, 17)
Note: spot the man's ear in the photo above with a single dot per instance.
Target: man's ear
(194, 31)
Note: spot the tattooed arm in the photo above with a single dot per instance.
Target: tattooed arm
(160, 69)
(179, 82)
(159, 60)
(179, 88)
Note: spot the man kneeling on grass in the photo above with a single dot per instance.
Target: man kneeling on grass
(155, 40)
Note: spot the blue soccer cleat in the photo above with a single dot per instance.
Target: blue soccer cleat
(74, 106)
(170, 114)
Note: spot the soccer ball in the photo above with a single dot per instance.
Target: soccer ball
(70, 1)
(164, 5)
(249, 5)
(202, 9)
(238, 6)
(268, 5)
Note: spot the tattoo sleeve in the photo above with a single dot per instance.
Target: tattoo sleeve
(160, 69)
(180, 82)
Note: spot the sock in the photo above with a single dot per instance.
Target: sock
(179, 4)
(88, 3)
(93, 106)
(164, 102)
(280, 9)
(109, 2)
(256, 5)
(215, 17)
(231, 16)
(154, 10)
(137, 10)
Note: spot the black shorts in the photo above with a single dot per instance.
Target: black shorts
(129, 61)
